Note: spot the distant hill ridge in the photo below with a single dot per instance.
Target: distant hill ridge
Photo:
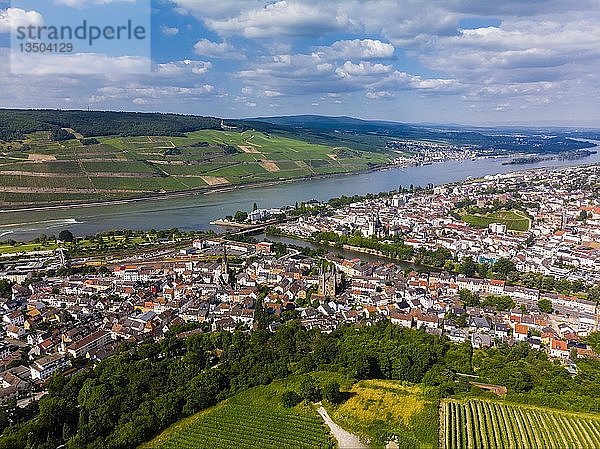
(367, 135)
(509, 139)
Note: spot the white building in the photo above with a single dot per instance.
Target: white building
(46, 366)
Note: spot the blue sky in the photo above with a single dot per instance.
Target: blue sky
(459, 61)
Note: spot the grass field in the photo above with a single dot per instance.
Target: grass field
(379, 410)
(252, 419)
(514, 220)
(493, 424)
(93, 245)
(38, 170)
(27, 248)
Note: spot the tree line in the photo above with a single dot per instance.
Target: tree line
(14, 124)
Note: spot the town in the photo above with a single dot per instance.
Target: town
(425, 153)
(492, 235)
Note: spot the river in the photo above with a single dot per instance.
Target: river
(195, 212)
(343, 253)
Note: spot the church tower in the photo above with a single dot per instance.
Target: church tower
(225, 267)
(328, 280)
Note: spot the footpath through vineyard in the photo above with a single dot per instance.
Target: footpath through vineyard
(345, 439)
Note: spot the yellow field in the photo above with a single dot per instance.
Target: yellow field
(371, 397)
(379, 408)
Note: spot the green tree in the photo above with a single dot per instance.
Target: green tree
(504, 267)
(261, 316)
(468, 298)
(545, 305)
(240, 216)
(65, 236)
(516, 377)
(500, 303)
(309, 390)
(594, 341)
(5, 288)
(594, 293)
(331, 392)
(290, 398)
(458, 358)
(467, 267)
(483, 269)
(573, 353)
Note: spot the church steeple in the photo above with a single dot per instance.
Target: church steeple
(225, 267)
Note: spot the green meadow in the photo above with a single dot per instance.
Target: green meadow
(514, 220)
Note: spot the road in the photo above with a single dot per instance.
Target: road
(345, 440)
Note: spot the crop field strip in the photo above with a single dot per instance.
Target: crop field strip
(474, 424)
(248, 426)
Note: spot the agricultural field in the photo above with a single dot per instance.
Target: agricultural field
(378, 410)
(252, 419)
(39, 170)
(514, 220)
(490, 424)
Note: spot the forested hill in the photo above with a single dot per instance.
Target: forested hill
(14, 124)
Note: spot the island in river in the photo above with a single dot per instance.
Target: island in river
(567, 155)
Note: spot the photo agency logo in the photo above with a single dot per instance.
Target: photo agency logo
(80, 36)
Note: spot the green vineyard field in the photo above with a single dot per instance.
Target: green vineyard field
(475, 424)
(38, 169)
(248, 421)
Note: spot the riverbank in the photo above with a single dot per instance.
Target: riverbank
(186, 193)
(242, 226)
(34, 207)
(526, 159)
(230, 224)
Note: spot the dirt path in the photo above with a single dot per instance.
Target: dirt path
(345, 440)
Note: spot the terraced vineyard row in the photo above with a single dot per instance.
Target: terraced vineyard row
(248, 426)
(475, 424)
(42, 170)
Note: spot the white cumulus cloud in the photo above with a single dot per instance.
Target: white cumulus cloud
(350, 69)
(283, 18)
(205, 47)
(12, 18)
(359, 49)
(169, 31)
